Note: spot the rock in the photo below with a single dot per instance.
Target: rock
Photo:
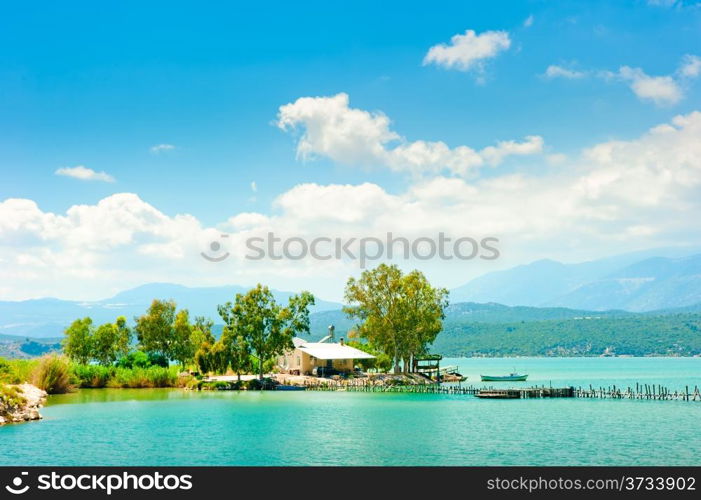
(34, 399)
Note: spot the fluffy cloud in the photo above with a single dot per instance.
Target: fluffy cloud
(332, 129)
(84, 174)
(690, 67)
(468, 51)
(615, 196)
(662, 90)
(555, 71)
(665, 90)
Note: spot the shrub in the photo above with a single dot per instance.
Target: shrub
(17, 371)
(135, 359)
(11, 396)
(260, 385)
(153, 376)
(156, 359)
(53, 374)
(93, 376)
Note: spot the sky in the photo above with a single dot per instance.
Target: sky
(135, 135)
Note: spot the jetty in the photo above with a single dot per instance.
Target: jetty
(649, 392)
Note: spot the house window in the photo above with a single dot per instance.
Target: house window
(298, 361)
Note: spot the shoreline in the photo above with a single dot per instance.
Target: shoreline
(24, 406)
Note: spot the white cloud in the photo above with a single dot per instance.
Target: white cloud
(161, 148)
(357, 137)
(555, 71)
(529, 21)
(468, 51)
(84, 174)
(690, 67)
(615, 196)
(662, 90)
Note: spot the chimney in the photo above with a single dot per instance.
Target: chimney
(342, 341)
(331, 330)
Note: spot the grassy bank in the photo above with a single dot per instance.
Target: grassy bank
(55, 374)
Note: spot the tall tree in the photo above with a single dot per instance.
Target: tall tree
(203, 340)
(154, 330)
(78, 341)
(238, 350)
(183, 346)
(255, 321)
(111, 341)
(399, 314)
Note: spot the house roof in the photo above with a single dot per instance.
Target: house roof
(324, 350)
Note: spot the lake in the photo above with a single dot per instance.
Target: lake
(176, 427)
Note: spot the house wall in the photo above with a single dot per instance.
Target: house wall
(302, 361)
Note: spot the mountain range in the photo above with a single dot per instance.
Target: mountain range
(48, 317)
(626, 282)
(637, 282)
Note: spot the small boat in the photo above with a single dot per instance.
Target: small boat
(512, 377)
(289, 388)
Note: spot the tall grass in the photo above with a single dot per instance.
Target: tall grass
(153, 376)
(53, 374)
(95, 376)
(17, 371)
(10, 397)
(92, 376)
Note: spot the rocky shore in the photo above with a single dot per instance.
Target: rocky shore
(21, 404)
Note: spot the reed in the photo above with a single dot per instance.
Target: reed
(53, 374)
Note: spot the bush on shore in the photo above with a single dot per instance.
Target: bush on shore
(10, 397)
(17, 371)
(53, 374)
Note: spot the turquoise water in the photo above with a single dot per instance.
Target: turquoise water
(174, 427)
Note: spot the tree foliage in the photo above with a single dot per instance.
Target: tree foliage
(398, 314)
(78, 340)
(155, 329)
(256, 323)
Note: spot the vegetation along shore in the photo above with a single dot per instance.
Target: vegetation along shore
(396, 317)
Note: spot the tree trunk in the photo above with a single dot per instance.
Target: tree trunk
(260, 368)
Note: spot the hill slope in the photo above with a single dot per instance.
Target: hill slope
(632, 282)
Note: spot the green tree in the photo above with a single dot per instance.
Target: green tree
(238, 350)
(159, 335)
(183, 346)
(255, 321)
(110, 342)
(381, 362)
(78, 341)
(398, 314)
(203, 340)
(202, 331)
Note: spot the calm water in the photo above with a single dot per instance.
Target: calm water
(174, 427)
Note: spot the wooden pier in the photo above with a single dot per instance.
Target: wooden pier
(640, 391)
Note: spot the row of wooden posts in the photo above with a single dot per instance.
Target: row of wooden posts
(640, 391)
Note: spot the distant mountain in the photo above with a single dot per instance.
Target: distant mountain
(632, 282)
(23, 347)
(656, 283)
(473, 329)
(48, 317)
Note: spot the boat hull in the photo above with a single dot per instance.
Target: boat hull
(504, 378)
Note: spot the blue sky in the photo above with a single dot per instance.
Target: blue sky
(99, 86)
